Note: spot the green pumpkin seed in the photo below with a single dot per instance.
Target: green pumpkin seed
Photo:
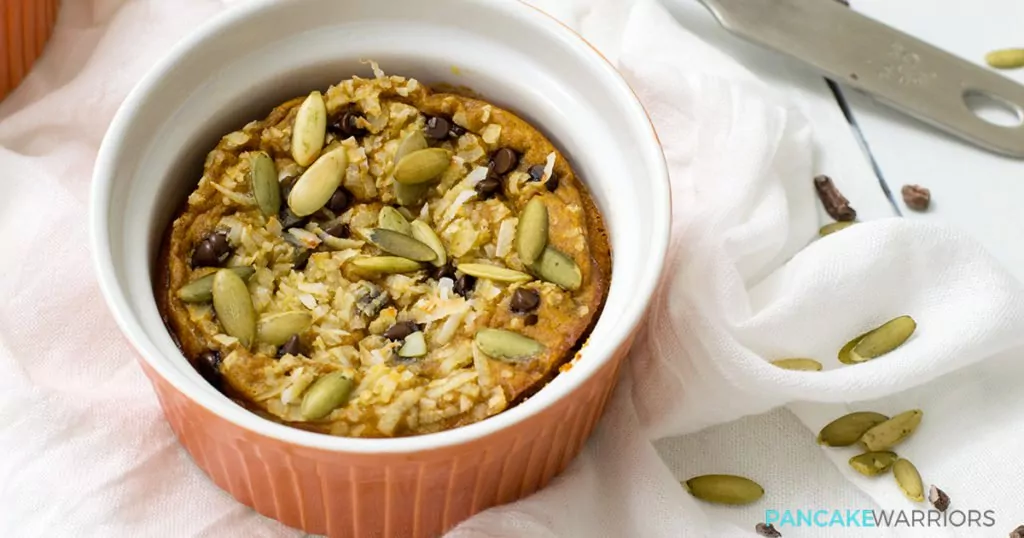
(309, 130)
(908, 479)
(415, 346)
(803, 365)
(724, 489)
(200, 290)
(407, 194)
(493, 272)
(233, 305)
(873, 463)
(848, 429)
(883, 339)
(532, 231)
(422, 232)
(892, 432)
(386, 264)
(263, 182)
(559, 269)
(507, 345)
(834, 227)
(402, 245)
(276, 329)
(422, 165)
(327, 394)
(317, 184)
(390, 219)
(1006, 58)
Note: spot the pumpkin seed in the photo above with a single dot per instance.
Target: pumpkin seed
(873, 463)
(422, 165)
(415, 346)
(413, 141)
(390, 219)
(200, 290)
(834, 227)
(410, 194)
(559, 269)
(724, 489)
(845, 353)
(507, 345)
(386, 264)
(883, 339)
(1006, 58)
(309, 130)
(317, 184)
(892, 432)
(908, 479)
(422, 232)
(848, 429)
(402, 245)
(263, 182)
(327, 394)
(276, 329)
(493, 272)
(233, 305)
(804, 365)
(532, 231)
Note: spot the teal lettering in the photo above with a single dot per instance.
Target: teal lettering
(787, 519)
(837, 519)
(803, 516)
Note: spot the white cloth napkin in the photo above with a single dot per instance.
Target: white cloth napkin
(85, 451)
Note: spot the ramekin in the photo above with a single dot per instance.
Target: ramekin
(25, 27)
(265, 51)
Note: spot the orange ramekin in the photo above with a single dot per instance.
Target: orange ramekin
(265, 51)
(25, 27)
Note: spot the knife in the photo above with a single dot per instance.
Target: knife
(901, 71)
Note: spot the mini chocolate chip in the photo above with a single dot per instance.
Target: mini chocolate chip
(347, 125)
(836, 205)
(503, 161)
(524, 300)
(401, 330)
(552, 183)
(291, 220)
(456, 130)
(301, 259)
(768, 530)
(916, 197)
(338, 229)
(339, 201)
(488, 187)
(536, 172)
(530, 320)
(464, 285)
(212, 251)
(208, 366)
(445, 271)
(292, 347)
(286, 186)
(437, 128)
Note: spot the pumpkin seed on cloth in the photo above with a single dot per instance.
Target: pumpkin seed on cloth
(798, 364)
(325, 395)
(1005, 58)
(422, 165)
(200, 290)
(848, 429)
(422, 232)
(834, 227)
(878, 342)
(908, 480)
(558, 269)
(892, 432)
(233, 305)
(263, 182)
(309, 130)
(402, 245)
(873, 463)
(507, 345)
(493, 272)
(724, 489)
(390, 219)
(386, 264)
(317, 184)
(276, 329)
(532, 231)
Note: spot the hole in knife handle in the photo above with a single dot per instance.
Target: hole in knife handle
(993, 109)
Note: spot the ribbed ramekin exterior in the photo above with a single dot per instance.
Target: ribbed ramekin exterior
(421, 494)
(25, 27)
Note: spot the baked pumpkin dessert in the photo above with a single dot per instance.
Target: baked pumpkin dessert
(383, 260)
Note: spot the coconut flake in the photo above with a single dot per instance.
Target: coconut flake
(307, 300)
(476, 176)
(457, 204)
(491, 134)
(240, 199)
(506, 233)
(304, 237)
(450, 327)
(549, 167)
(445, 288)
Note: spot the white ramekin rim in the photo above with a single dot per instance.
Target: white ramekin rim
(582, 371)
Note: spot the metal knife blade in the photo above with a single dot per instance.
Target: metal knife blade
(904, 72)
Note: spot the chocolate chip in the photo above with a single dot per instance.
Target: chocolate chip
(445, 271)
(837, 206)
(488, 187)
(301, 259)
(503, 161)
(401, 330)
(338, 229)
(347, 125)
(437, 128)
(1018, 532)
(464, 285)
(536, 172)
(291, 220)
(456, 130)
(552, 183)
(208, 366)
(339, 201)
(292, 347)
(524, 300)
(212, 251)
(768, 530)
(530, 320)
(916, 197)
